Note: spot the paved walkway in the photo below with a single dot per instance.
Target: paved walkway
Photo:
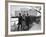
(35, 26)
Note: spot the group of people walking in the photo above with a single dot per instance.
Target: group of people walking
(23, 22)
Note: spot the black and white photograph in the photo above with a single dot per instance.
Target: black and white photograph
(24, 18)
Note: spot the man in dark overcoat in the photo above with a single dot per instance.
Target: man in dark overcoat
(27, 20)
(19, 21)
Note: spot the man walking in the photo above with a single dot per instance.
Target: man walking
(20, 21)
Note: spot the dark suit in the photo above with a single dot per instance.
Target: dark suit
(27, 21)
(19, 22)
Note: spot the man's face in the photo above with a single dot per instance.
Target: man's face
(19, 14)
(27, 14)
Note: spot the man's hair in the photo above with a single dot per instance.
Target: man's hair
(27, 13)
(19, 13)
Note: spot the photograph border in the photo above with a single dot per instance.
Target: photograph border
(6, 17)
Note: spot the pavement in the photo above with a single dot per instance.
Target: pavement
(35, 26)
(32, 27)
